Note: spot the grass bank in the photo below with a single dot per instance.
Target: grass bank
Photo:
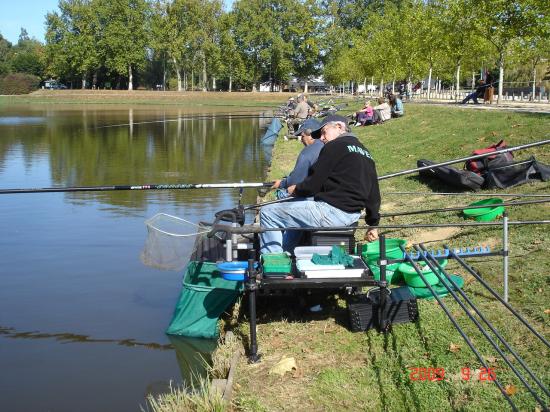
(143, 97)
(339, 370)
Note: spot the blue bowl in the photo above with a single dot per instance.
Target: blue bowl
(234, 271)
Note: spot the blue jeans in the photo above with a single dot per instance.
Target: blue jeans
(298, 213)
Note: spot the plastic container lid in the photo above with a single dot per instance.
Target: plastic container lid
(485, 214)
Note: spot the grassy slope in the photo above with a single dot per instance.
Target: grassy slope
(141, 97)
(340, 370)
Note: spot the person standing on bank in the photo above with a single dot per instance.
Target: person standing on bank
(307, 157)
(342, 182)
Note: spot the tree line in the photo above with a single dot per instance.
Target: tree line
(199, 45)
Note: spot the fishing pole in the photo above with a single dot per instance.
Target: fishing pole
(198, 117)
(249, 229)
(451, 209)
(183, 186)
(466, 194)
(485, 333)
(456, 325)
(463, 159)
(438, 270)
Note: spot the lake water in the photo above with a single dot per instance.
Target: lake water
(82, 320)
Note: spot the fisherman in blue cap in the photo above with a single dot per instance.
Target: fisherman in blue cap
(342, 181)
(307, 157)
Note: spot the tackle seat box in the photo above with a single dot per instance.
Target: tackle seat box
(333, 237)
(401, 307)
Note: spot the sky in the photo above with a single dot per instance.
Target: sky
(30, 14)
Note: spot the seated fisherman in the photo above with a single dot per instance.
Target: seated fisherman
(301, 112)
(382, 112)
(343, 181)
(306, 158)
(396, 104)
(477, 94)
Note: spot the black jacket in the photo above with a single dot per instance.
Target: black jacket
(345, 177)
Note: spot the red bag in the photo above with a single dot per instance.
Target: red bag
(480, 165)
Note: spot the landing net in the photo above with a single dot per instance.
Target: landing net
(170, 241)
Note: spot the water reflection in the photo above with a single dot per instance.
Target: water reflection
(18, 120)
(66, 337)
(70, 261)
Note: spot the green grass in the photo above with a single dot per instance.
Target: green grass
(340, 370)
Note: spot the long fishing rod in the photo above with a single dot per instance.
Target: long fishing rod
(249, 229)
(463, 159)
(193, 117)
(480, 326)
(452, 209)
(518, 195)
(456, 325)
(183, 186)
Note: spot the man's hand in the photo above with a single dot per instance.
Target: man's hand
(291, 190)
(371, 235)
(276, 184)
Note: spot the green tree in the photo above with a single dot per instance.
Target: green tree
(5, 49)
(125, 35)
(232, 65)
(254, 33)
(72, 36)
(504, 21)
(27, 56)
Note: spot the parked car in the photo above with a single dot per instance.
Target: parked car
(54, 85)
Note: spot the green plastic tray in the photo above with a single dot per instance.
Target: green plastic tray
(425, 293)
(485, 214)
(413, 279)
(371, 251)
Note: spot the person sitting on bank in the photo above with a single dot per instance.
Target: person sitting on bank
(477, 94)
(307, 157)
(301, 112)
(342, 182)
(397, 109)
(382, 111)
(364, 116)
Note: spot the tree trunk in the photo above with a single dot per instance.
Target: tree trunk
(214, 83)
(177, 73)
(393, 87)
(130, 78)
(533, 90)
(192, 80)
(230, 83)
(381, 92)
(429, 82)
(204, 79)
(457, 88)
(94, 81)
(500, 77)
(83, 81)
(473, 81)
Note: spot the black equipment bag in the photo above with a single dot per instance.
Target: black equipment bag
(510, 174)
(463, 179)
